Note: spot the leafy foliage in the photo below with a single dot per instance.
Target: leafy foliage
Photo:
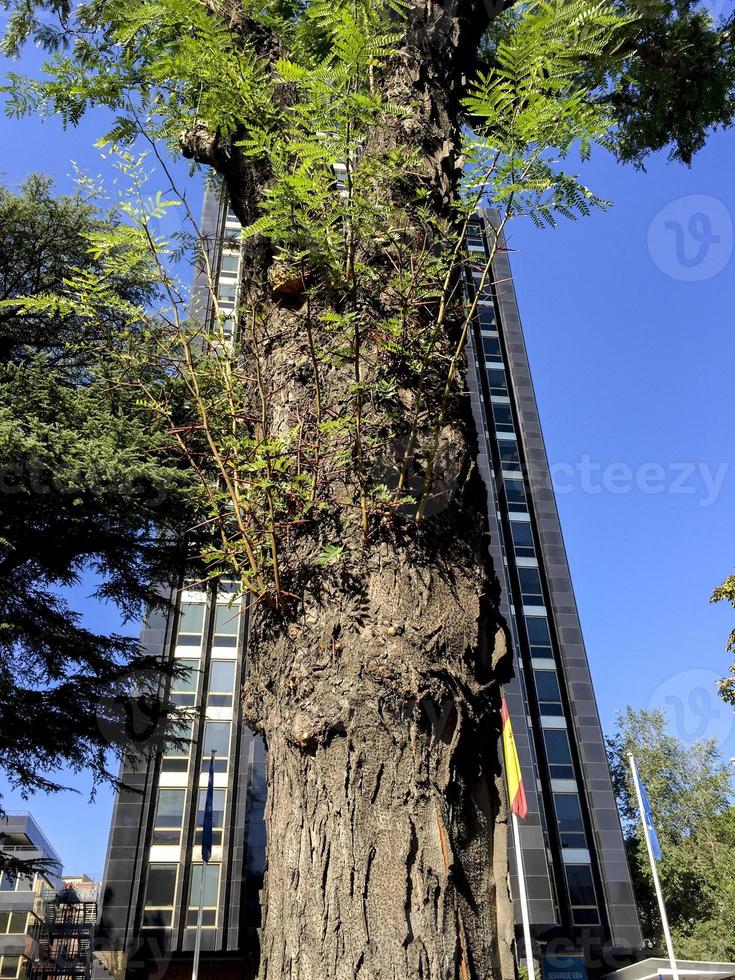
(667, 80)
(363, 243)
(533, 108)
(726, 592)
(690, 791)
(677, 81)
(83, 491)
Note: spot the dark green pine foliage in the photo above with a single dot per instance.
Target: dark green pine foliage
(82, 490)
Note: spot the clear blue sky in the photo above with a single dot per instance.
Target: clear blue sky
(629, 323)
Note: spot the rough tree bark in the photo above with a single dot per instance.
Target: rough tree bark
(378, 692)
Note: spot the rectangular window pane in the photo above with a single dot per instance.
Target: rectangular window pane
(230, 262)
(530, 581)
(209, 918)
(24, 884)
(537, 628)
(161, 885)
(191, 619)
(183, 732)
(218, 808)
(515, 494)
(559, 753)
(585, 917)
(4, 920)
(497, 381)
(486, 315)
(581, 887)
(7, 883)
(219, 700)
(503, 417)
(157, 918)
(522, 539)
(491, 348)
(175, 765)
(547, 685)
(217, 737)
(189, 680)
(170, 808)
(568, 812)
(222, 675)
(509, 459)
(10, 965)
(211, 885)
(18, 921)
(226, 619)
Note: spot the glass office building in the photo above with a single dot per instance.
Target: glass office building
(576, 871)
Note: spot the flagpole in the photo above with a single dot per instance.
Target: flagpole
(206, 854)
(200, 916)
(654, 871)
(524, 898)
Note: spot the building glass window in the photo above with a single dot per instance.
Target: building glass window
(509, 459)
(486, 316)
(221, 683)
(537, 629)
(160, 895)
(176, 756)
(582, 894)
(191, 624)
(496, 380)
(217, 737)
(169, 816)
(515, 495)
(530, 582)
(218, 816)
(184, 688)
(16, 883)
(226, 293)
(474, 238)
(9, 966)
(226, 625)
(569, 817)
(558, 753)
(491, 349)
(503, 417)
(230, 263)
(13, 923)
(522, 537)
(209, 895)
(548, 693)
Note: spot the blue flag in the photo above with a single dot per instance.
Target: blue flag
(648, 817)
(207, 824)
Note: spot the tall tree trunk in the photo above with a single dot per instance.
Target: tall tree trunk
(378, 691)
(386, 817)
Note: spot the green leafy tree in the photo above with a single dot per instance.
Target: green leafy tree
(726, 592)
(690, 791)
(331, 441)
(82, 492)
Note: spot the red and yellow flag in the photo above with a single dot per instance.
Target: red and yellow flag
(516, 791)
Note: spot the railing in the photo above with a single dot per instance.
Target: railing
(45, 843)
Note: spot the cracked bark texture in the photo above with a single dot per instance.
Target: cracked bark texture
(378, 692)
(386, 817)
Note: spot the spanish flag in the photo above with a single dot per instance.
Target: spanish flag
(516, 792)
